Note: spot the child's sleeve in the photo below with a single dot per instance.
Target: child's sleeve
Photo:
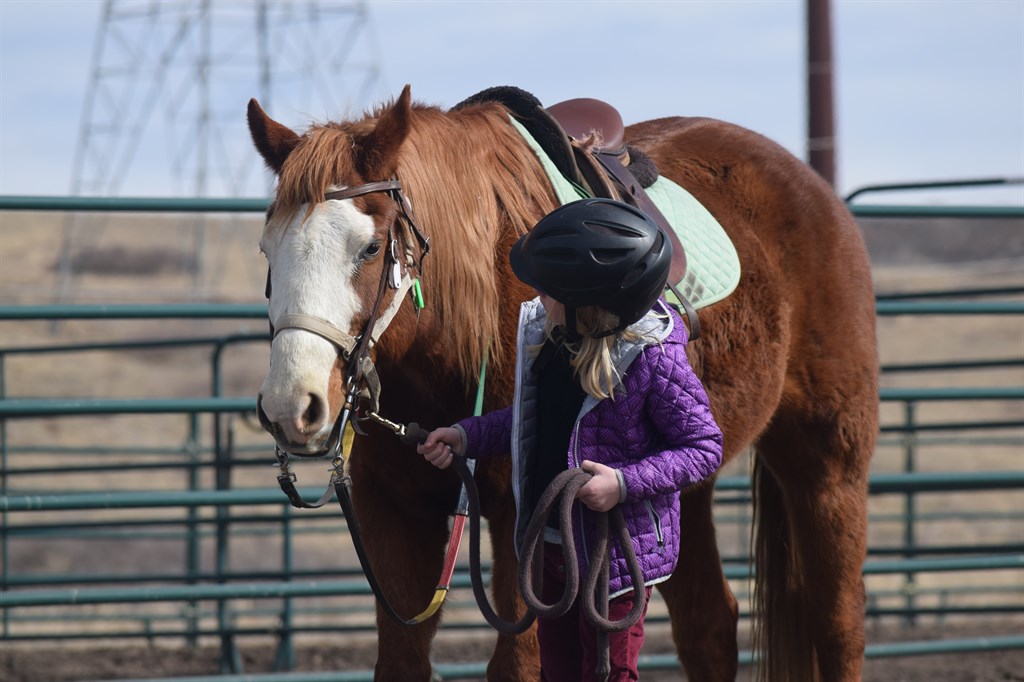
(487, 435)
(678, 407)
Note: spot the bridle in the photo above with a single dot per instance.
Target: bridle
(362, 385)
(362, 389)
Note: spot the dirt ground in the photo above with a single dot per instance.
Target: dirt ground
(74, 664)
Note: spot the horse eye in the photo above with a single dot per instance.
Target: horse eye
(371, 251)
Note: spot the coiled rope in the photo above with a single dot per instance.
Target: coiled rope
(594, 598)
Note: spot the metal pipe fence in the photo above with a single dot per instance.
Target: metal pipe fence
(211, 513)
(289, 585)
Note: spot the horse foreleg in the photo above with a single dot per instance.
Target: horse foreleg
(701, 605)
(406, 552)
(516, 658)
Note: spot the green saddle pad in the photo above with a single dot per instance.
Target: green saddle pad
(712, 265)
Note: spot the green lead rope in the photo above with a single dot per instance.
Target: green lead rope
(463, 506)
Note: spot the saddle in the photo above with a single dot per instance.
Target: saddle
(585, 139)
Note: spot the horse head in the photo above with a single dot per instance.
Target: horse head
(342, 251)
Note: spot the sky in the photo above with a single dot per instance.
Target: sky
(925, 90)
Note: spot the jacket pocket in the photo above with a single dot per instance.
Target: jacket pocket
(656, 522)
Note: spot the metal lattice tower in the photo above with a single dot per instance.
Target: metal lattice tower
(164, 112)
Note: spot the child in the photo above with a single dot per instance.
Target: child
(603, 384)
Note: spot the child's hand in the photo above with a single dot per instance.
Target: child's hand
(440, 445)
(600, 493)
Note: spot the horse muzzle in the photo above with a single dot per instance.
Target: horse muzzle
(307, 435)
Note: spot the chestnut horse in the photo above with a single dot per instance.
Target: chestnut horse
(789, 361)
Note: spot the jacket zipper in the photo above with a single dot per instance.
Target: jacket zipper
(575, 438)
(576, 463)
(657, 523)
(516, 423)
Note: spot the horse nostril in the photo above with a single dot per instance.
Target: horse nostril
(264, 419)
(314, 414)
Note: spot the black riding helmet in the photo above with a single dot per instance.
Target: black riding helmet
(596, 252)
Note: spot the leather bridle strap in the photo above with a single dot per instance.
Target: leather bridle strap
(361, 355)
(360, 190)
(394, 188)
(322, 328)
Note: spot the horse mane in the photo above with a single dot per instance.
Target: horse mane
(471, 179)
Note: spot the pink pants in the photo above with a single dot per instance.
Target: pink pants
(568, 644)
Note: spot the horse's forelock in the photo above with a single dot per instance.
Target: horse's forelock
(322, 158)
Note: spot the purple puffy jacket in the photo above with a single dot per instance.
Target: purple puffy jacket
(658, 431)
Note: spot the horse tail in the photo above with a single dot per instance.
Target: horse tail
(781, 630)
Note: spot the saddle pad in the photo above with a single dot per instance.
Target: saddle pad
(712, 264)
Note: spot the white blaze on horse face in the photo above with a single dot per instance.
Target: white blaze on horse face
(312, 264)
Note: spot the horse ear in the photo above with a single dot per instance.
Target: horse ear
(273, 140)
(382, 145)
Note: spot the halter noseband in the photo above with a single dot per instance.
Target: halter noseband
(355, 349)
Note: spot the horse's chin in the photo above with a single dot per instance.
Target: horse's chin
(317, 447)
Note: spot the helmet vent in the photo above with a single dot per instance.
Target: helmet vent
(635, 274)
(659, 242)
(611, 230)
(609, 256)
(558, 232)
(561, 255)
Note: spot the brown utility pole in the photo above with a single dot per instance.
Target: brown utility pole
(820, 117)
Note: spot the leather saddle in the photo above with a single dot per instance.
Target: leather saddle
(585, 139)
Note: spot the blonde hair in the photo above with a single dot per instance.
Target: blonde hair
(591, 355)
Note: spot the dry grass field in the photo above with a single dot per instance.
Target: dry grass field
(146, 259)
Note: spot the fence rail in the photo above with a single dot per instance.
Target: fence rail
(217, 512)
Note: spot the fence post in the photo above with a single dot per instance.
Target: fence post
(909, 513)
(285, 659)
(192, 550)
(230, 658)
(4, 543)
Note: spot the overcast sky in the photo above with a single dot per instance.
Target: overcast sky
(925, 89)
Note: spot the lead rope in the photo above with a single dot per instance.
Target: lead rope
(411, 434)
(595, 593)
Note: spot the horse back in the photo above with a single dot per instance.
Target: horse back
(805, 297)
(774, 207)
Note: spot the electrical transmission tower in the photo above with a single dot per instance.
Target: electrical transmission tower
(164, 113)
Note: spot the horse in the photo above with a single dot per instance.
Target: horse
(789, 361)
